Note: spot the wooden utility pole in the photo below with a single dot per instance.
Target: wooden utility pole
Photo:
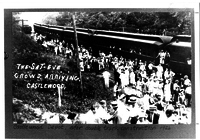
(77, 53)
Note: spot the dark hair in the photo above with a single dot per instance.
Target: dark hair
(169, 113)
(175, 112)
(145, 80)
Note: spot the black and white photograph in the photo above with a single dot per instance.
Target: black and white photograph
(102, 67)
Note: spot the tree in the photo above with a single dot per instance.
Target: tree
(50, 19)
(64, 19)
(184, 22)
(15, 22)
(141, 22)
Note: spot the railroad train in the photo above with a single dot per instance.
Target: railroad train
(129, 45)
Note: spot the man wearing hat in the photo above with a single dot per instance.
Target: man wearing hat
(122, 99)
(120, 114)
(187, 81)
(134, 110)
(101, 112)
(153, 116)
(114, 114)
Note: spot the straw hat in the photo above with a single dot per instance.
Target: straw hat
(103, 102)
(132, 99)
(114, 104)
(152, 108)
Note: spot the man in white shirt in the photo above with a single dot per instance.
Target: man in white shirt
(187, 81)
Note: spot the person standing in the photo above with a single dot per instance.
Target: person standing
(123, 78)
(188, 95)
(187, 82)
(176, 90)
(167, 91)
(132, 78)
(139, 84)
(161, 57)
(159, 72)
(115, 117)
(126, 76)
(168, 74)
(134, 110)
(116, 77)
(106, 76)
(153, 115)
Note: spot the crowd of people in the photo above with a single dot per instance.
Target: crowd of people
(156, 95)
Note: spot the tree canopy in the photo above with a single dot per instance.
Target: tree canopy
(159, 23)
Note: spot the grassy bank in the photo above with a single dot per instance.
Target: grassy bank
(27, 52)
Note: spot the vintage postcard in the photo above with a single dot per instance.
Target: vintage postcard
(99, 73)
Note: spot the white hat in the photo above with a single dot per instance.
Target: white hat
(103, 102)
(152, 107)
(170, 107)
(132, 99)
(114, 103)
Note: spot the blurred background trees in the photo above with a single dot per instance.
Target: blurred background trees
(158, 23)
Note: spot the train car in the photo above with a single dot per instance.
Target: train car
(129, 45)
(180, 49)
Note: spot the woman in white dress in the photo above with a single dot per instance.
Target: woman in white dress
(167, 91)
(123, 79)
(139, 84)
(132, 78)
(126, 77)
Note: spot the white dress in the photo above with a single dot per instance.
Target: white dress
(123, 79)
(167, 92)
(126, 77)
(106, 76)
(159, 71)
(132, 78)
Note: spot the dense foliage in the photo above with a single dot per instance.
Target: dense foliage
(168, 23)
